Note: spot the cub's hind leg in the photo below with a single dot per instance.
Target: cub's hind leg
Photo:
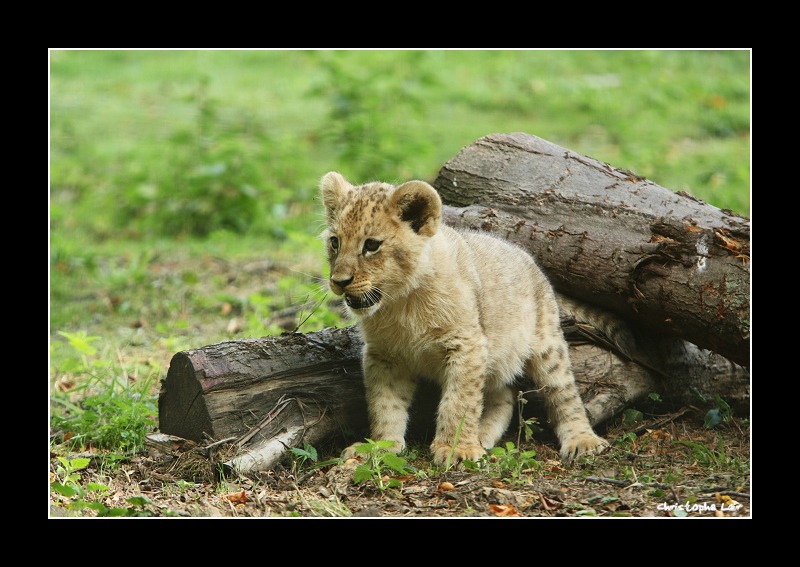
(550, 369)
(498, 408)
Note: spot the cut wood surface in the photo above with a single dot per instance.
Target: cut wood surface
(608, 237)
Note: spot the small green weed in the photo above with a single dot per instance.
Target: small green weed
(67, 483)
(627, 439)
(631, 417)
(306, 459)
(714, 459)
(720, 412)
(527, 427)
(302, 456)
(380, 463)
(508, 462)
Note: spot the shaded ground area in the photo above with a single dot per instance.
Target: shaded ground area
(679, 468)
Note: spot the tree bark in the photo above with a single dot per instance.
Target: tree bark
(667, 260)
(275, 393)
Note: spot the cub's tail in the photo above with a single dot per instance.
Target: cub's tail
(600, 327)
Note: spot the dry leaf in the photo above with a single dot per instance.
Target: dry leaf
(236, 497)
(725, 499)
(403, 478)
(505, 510)
(659, 434)
(548, 503)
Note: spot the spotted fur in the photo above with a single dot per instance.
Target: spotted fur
(465, 309)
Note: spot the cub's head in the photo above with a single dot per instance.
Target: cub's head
(377, 239)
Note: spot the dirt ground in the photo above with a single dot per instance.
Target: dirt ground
(677, 469)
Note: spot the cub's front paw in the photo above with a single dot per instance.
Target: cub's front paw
(350, 452)
(580, 445)
(441, 452)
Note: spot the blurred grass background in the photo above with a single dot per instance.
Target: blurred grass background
(183, 184)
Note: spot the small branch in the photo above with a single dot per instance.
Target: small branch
(280, 405)
(220, 442)
(614, 481)
(661, 423)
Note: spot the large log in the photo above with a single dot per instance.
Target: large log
(608, 237)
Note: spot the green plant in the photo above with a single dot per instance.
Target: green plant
(67, 484)
(305, 459)
(509, 461)
(631, 417)
(302, 456)
(714, 459)
(114, 413)
(628, 438)
(527, 427)
(720, 412)
(380, 464)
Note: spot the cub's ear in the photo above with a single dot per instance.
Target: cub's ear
(333, 187)
(419, 205)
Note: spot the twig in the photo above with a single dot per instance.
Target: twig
(662, 422)
(729, 493)
(303, 499)
(280, 405)
(608, 480)
(220, 442)
(662, 486)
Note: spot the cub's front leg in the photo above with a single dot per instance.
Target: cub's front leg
(461, 406)
(389, 391)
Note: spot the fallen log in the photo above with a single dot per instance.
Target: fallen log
(269, 394)
(666, 260)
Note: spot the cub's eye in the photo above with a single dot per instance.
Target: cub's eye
(371, 245)
(334, 243)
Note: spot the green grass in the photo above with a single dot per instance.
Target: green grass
(183, 185)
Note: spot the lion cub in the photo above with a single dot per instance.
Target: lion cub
(465, 309)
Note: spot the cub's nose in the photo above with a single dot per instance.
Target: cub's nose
(342, 283)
